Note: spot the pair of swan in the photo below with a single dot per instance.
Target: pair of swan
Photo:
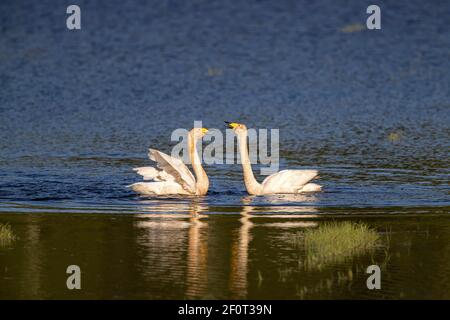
(173, 177)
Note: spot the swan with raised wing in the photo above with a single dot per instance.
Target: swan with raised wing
(172, 176)
(285, 181)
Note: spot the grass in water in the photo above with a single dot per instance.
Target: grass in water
(334, 242)
(6, 235)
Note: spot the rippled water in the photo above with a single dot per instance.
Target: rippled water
(78, 109)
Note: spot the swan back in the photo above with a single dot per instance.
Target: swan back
(287, 181)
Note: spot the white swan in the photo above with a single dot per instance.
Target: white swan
(285, 181)
(171, 175)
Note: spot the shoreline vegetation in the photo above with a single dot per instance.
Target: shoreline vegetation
(334, 242)
(7, 235)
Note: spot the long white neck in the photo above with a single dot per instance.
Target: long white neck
(202, 181)
(252, 186)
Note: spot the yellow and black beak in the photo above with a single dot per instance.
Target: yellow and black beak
(204, 130)
(231, 125)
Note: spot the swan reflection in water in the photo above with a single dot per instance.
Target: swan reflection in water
(213, 253)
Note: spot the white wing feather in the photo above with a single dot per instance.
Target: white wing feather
(150, 173)
(175, 168)
(288, 181)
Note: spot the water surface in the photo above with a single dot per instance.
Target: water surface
(78, 109)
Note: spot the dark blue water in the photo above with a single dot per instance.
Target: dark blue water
(369, 109)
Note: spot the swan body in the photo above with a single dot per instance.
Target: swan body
(290, 181)
(172, 176)
(159, 188)
(285, 181)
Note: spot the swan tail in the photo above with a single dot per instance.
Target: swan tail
(310, 187)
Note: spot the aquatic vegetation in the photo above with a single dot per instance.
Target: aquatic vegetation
(334, 242)
(260, 278)
(6, 235)
(215, 72)
(395, 136)
(356, 27)
(285, 274)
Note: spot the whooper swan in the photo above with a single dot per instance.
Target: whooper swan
(171, 175)
(285, 181)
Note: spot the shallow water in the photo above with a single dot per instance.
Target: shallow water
(222, 254)
(369, 109)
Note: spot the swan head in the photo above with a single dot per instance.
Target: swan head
(238, 128)
(198, 133)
